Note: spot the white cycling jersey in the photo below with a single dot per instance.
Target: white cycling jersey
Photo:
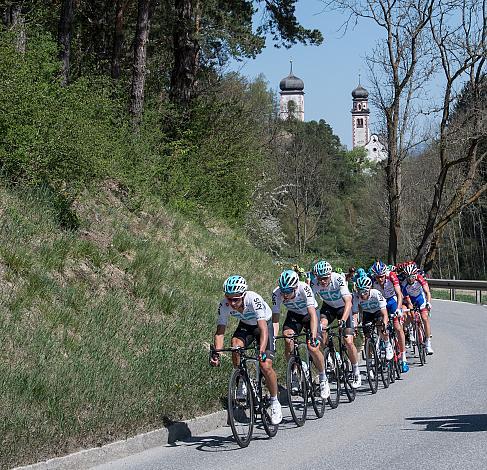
(375, 302)
(332, 294)
(299, 304)
(255, 308)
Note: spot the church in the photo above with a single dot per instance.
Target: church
(291, 104)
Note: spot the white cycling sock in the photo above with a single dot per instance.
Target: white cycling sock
(355, 368)
(404, 358)
(323, 376)
(274, 399)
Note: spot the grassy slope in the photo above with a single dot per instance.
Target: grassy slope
(104, 331)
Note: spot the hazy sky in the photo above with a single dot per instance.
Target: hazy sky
(330, 72)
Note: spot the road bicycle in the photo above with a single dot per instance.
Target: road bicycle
(418, 335)
(248, 396)
(338, 367)
(371, 356)
(396, 368)
(302, 380)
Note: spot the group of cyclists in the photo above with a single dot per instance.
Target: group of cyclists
(383, 293)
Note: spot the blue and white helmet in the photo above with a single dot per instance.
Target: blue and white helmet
(235, 285)
(322, 268)
(288, 280)
(379, 268)
(364, 283)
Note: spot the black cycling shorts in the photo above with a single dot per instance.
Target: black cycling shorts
(371, 317)
(330, 313)
(297, 322)
(249, 333)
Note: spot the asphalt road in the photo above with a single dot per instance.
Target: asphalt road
(433, 418)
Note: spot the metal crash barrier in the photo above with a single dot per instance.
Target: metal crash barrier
(453, 284)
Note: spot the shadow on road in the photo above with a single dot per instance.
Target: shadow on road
(455, 423)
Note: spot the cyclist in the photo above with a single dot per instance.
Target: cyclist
(387, 283)
(337, 303)
(301, 305)
(373, 306)
(417, 293)
(255, 322)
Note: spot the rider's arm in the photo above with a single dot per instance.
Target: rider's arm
(397, 289)
(426, 288)
(219, 335)
(313, 321)
(348, 307)
(275, 323)
(385, 317)
(264, 335)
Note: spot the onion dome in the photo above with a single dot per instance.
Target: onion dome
(360, 93)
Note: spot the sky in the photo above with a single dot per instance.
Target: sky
(330, 72)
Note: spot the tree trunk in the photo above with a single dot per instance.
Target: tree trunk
(13, 18)
(64, 37)
(140, 59)
(186, 51)
(118, 38)
(393, 172)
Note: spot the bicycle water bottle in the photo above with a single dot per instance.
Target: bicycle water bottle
(304, 365)
(339, 359)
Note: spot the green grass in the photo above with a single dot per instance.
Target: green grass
(460, 296)
(104, 331)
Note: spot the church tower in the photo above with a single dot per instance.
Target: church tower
(360, 117)
(292, 97)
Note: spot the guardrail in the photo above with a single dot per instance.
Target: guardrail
(452, 284)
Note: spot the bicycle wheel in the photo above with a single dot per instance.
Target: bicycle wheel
(397, 369)
(315, 392)
(347, 376)
(265, 403)
(372, 366)
(297, 392)
(420, 339)
(241, 408)
(384, 366)
(333, 374)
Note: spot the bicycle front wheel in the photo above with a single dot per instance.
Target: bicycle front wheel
(420, 340)
(372, 366)
(241, 407)
(384, 366)
(315, 392)
(333, 374)
(348, 377)
(265, 403)
(297, 392)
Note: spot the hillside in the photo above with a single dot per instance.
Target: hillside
(104, 330)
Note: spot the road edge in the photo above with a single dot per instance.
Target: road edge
(88, 458)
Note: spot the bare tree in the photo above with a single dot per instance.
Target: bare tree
(459, 32)
(396, 78)
(13, 18)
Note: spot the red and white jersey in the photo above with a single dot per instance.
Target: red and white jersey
(388, 289)
(416, 288)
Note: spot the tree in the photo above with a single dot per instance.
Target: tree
(228, 31)
(395, 78)
(64, 37)
(118, 37)
(140, 58)
(462, 135)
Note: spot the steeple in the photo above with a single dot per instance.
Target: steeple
(292, 96)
